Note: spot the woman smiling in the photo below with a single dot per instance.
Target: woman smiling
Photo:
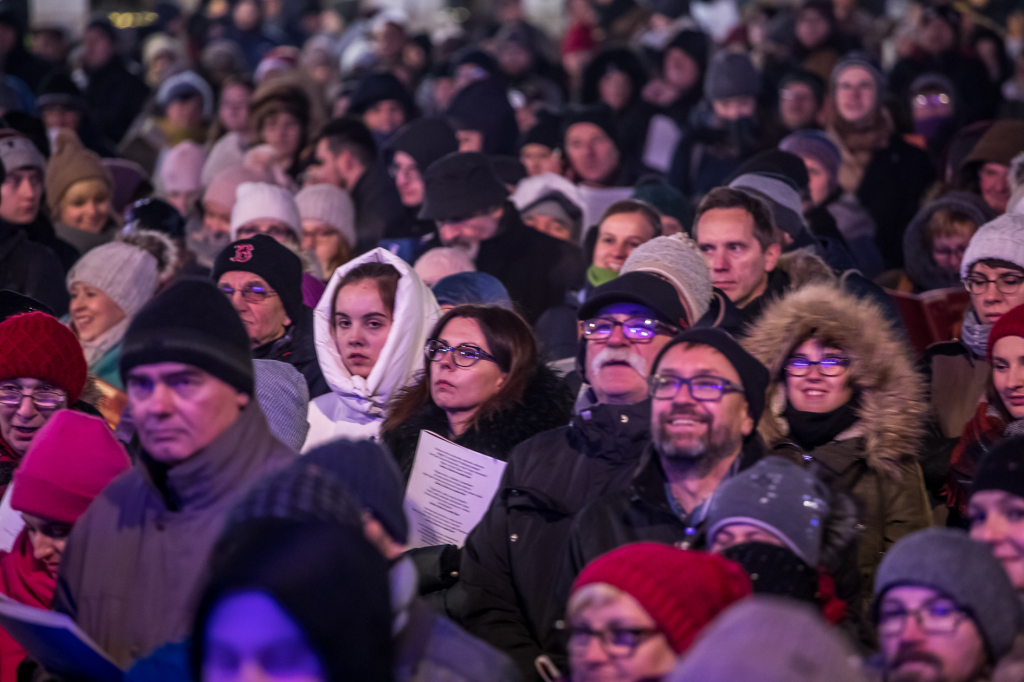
(846, 396)
(79, 190)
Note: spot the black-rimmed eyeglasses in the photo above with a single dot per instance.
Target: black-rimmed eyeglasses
(463, 355)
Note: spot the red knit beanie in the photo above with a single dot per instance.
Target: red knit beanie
(682, 590)
(71, 459)
(1010, 324)
(37, 346)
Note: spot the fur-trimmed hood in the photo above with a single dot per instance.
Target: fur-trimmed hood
(892, 407)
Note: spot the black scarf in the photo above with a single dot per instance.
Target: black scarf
(810, 430)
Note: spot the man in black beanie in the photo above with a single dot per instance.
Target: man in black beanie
(707, 395)
(468, 202)
(594, 158)
(263, 280)
(134, 561)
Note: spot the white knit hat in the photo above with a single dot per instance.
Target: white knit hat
(125, 273)
(331, 206)
(1002, 239)
(263, 201)
(181, 167)
(678, 260)
(19, 152)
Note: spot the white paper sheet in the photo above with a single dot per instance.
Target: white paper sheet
(449, 490)
(11, 522)
(662, 139)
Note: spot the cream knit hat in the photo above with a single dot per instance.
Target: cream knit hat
(125, 273)
(678, 260)
(329, 205)
(263, 201)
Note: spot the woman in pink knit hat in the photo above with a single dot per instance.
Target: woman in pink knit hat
(71, 460)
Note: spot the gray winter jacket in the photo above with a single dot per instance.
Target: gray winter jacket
(135, 561)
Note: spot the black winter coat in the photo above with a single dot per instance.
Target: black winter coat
(31, 269)
(297, 349)
(507, 571)
(894, 183)
(113, 84)
(379, 209)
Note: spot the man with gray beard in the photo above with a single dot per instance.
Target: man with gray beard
(707, 395)
(507, 573)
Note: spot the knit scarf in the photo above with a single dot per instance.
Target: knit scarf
(858, 142)
(95, 349)
(975, 334)
(598, 276)
(810, 430)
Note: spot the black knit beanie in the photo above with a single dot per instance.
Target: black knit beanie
(1002, 468)
(275, 263)
(599, 114)
(328, 578)
(460, 186)
(193, 323)
(753, 374)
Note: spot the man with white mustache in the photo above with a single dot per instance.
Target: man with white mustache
(508, 565)
(707, 395)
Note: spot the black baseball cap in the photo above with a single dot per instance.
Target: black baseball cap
(641, 288)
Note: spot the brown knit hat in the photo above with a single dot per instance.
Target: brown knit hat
(71, 163)
(1000, 143)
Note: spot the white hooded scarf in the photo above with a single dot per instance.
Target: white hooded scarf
(354, 409)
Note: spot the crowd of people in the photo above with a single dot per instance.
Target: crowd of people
(658, 264)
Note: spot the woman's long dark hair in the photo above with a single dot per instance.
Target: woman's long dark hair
(510, 341)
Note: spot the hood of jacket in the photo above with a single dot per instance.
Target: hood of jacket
(416, 312)
(920, 265)
(892, 407)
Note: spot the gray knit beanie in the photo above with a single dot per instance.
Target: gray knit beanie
(732, 74)
(1003, 239)
(780, 196)
(678, 260)
(949, 561)
(860, 60)
(19, 152)
(778, 496)
(769, 639)
(331, 206)
(125, 273)
(283, 395)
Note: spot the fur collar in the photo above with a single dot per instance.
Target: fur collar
(546, 404)
(892, 407)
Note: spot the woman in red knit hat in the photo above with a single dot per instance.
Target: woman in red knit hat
(634, 610)
(1000, 415)
(71, 459)
(42, 370)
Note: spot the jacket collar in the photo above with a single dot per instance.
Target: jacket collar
(602, 422)
(216, 471)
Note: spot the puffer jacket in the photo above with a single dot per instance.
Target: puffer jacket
(354, 408)
(876, 461)
(506, 574)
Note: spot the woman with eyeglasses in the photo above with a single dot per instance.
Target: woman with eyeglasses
(369, 329)
(992, 271)
(633, 611)
(999, 415)
(485, 387)
(845, 396)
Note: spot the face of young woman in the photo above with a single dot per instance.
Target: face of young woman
(1008, 373)
(997, 519)
(92, 311)
(460, 391)
(361, 326)
(86, 206)
(283, 132)
(816, 392)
